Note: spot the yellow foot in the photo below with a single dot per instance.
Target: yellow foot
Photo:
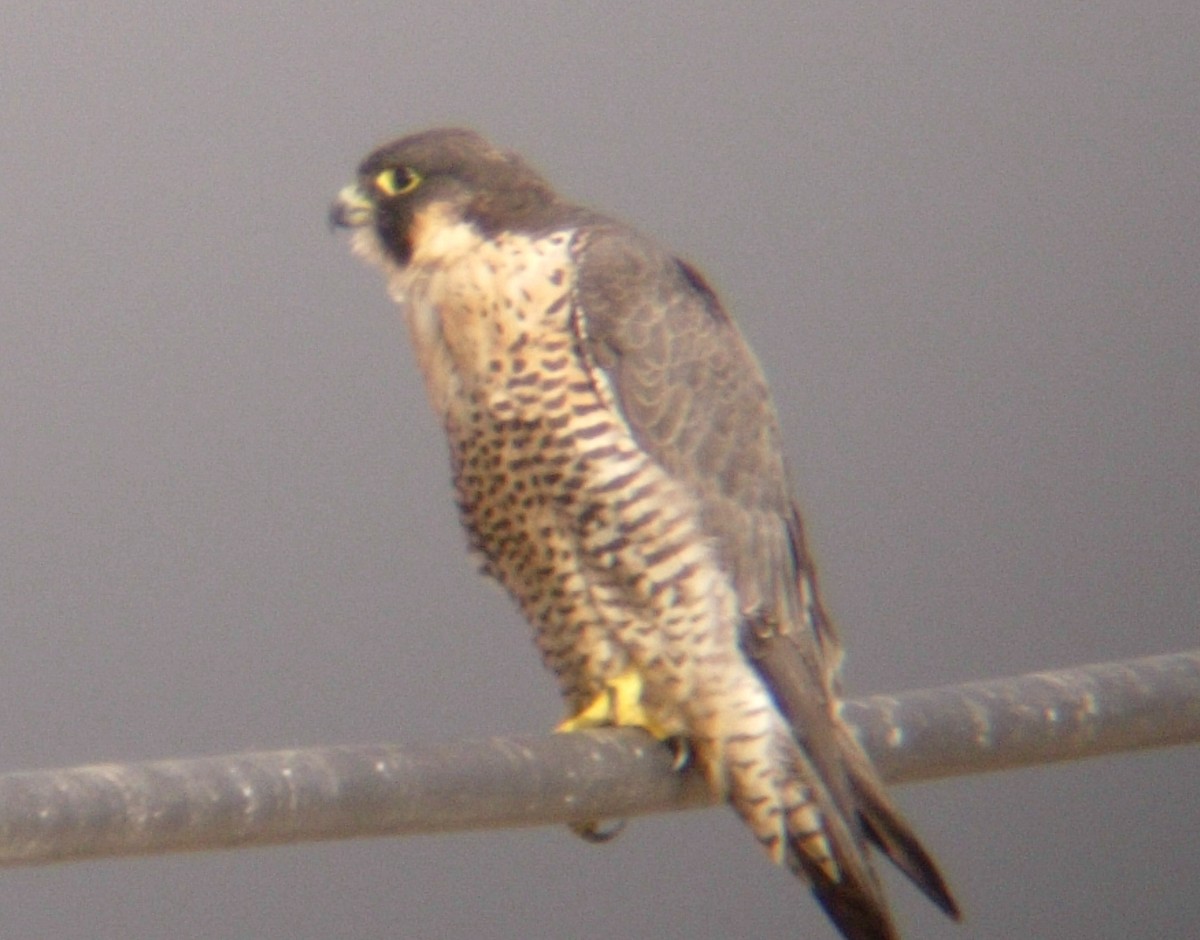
(619, 703)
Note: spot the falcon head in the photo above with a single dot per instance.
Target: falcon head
(416, 187)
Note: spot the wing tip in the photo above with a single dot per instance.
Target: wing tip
(887, 829)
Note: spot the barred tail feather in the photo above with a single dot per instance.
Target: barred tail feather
(775, 787)
(846, 792)
(845, 885)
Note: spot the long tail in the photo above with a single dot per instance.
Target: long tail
(818, 819)
(833, 801)
(849, 889)
(787, 802)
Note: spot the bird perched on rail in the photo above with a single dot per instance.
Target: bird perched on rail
(617, 465)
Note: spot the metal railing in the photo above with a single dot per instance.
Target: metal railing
(274, 797)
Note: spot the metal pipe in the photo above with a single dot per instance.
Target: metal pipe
(258, 799)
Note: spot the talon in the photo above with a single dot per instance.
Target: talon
(682, 749)
(592, 832)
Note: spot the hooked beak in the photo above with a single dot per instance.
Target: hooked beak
(351, 209)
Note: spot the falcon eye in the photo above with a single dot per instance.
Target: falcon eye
(397, 181)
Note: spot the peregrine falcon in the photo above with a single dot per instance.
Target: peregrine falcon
(618, 468)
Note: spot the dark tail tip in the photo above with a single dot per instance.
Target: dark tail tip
(886, 828)
(857, 915)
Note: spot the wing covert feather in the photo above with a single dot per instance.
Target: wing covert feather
(696, 401)
(694, 397)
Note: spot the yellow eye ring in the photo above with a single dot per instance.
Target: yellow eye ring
(397, 182)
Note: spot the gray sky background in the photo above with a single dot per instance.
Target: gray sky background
(962, 238)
